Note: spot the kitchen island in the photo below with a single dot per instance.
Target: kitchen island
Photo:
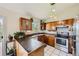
(29, 46)
(32, 45)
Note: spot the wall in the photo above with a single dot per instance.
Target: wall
(12, 20)
(11, 25)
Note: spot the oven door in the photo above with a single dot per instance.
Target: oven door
(62, 44)
(61, 41)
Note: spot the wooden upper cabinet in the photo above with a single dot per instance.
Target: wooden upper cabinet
(42, 25)
(25, 24)
(66, 22)
(69, 22)
(48, 26)
(51, 25)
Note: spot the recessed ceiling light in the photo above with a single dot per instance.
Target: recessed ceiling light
(53, 10)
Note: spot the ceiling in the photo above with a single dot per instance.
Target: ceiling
(39, 10)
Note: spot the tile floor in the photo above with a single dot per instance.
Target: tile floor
(51, 51)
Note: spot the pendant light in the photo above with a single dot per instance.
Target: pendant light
(53, 14)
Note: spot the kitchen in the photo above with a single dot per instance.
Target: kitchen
(57, 34)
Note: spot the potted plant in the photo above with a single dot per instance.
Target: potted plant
(19, 35)
(10, 38)
(11, 52)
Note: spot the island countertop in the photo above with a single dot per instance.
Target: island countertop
(31, 44)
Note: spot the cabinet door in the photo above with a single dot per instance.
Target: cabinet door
(51, 41)
(41, 38)
(38, 52)
(43, 26)
(20, 51)
(69, 22)
(48, 27)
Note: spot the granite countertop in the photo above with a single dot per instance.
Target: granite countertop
(31, 44)
(38, 33)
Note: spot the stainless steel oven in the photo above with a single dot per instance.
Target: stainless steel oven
(62, 38)
(62, 41)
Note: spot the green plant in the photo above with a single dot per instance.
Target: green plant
(10, 37)
(19, 35)
(11, 52)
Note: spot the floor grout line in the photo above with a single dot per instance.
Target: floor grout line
(50, 52)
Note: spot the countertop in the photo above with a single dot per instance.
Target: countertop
(41, 33)
(31, 44)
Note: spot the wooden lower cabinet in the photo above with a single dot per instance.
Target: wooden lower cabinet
(51, 41)
(42, 38)
(20, 51)
(38, 52)
(48, 39)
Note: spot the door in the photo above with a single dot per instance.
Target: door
(1, 35)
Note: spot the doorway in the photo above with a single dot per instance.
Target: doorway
(2, 36)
